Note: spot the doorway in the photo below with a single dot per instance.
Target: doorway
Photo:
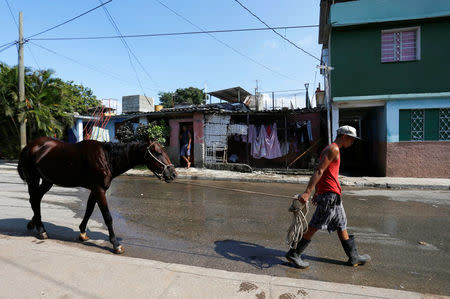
(366, 157)
(190, 128)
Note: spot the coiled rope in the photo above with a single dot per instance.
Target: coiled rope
(299, 224)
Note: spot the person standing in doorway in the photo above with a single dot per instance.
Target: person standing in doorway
(185, 141)
(330, 213)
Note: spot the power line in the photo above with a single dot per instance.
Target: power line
(7, 46)
(225, 44)
(70, 20)
(292, 43)
(12, 15)
(173, 33)
(113, 23)
(15, 22)
(280, 91)
(86, 65)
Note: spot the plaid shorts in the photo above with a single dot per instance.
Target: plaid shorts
(185, 151)
(330, 213)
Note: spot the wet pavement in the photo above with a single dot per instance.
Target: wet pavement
(195, 223)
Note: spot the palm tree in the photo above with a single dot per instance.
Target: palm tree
(44, 107)
(9, 108)
(48, 107)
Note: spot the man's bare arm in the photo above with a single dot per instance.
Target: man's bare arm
(329, 156)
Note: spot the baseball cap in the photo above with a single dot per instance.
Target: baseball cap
(347, 130)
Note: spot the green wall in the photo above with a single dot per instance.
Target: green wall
(356, 58)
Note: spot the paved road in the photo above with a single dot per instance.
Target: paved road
(208, 227)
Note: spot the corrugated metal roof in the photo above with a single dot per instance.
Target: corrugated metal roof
(377, 11)
(231, 95)
(222, 108)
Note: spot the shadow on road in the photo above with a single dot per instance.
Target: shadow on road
(259, 256)
(18, 227)
(255, 255)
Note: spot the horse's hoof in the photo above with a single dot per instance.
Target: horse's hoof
(83, 237)
(30, 225)
(43, 236)
(119, 249)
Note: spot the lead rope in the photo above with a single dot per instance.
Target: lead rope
(299, 211)
(299, 224)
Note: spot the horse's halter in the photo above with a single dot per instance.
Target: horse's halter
(159, 175)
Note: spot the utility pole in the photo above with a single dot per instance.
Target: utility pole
(327, 69)
(23, 121)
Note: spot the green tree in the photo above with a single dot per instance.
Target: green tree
(187, 96)
(155, 130)
(80, 98)
(166, 99)
(9, 108)
(48, 107)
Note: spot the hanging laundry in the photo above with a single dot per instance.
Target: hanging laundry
(251, 134)
(269, 130)
(304, 132)
(308, 125)
(272, 144)
(284, 148)
(258, 144)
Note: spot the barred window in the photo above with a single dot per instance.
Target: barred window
(417, 121)
(444, 124)
(424, 124)
(400, 45)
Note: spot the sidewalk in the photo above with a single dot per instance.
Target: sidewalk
(31, 268)
(256, 176)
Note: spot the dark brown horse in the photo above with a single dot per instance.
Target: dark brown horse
(89, 164)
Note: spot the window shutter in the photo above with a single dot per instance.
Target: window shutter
(431, 124)
(405, 125)
(408, 45)
(387, 47)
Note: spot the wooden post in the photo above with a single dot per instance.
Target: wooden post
(23, 122)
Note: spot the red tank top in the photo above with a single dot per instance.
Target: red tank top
(329, 181)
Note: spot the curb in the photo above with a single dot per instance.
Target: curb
(299, 180)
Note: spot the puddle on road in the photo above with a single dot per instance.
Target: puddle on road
(229, 230)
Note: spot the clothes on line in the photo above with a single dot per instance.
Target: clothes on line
(304, 131)
(264, 141)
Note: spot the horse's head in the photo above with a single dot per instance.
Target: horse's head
(159, 163)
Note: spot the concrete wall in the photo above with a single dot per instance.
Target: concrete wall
(174, 147)
(418, 159)
(355, 55)
(137, 103)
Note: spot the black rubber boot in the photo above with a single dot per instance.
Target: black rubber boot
(354, 259)
(294, 255)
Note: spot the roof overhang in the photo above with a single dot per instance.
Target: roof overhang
(232, 95)
(379, 11)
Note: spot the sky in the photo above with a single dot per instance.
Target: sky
(213, 62)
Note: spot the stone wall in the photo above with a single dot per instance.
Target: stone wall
(424, 159)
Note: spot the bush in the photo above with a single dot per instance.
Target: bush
(155, 130)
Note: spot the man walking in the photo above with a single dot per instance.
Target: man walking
(329, 212)
(185, 150)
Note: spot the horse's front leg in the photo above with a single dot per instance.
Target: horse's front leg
(89, 209)
(36, 192)
(103, 205)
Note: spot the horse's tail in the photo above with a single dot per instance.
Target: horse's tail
(23, 162)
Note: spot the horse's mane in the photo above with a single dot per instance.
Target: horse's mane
(122, 154)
